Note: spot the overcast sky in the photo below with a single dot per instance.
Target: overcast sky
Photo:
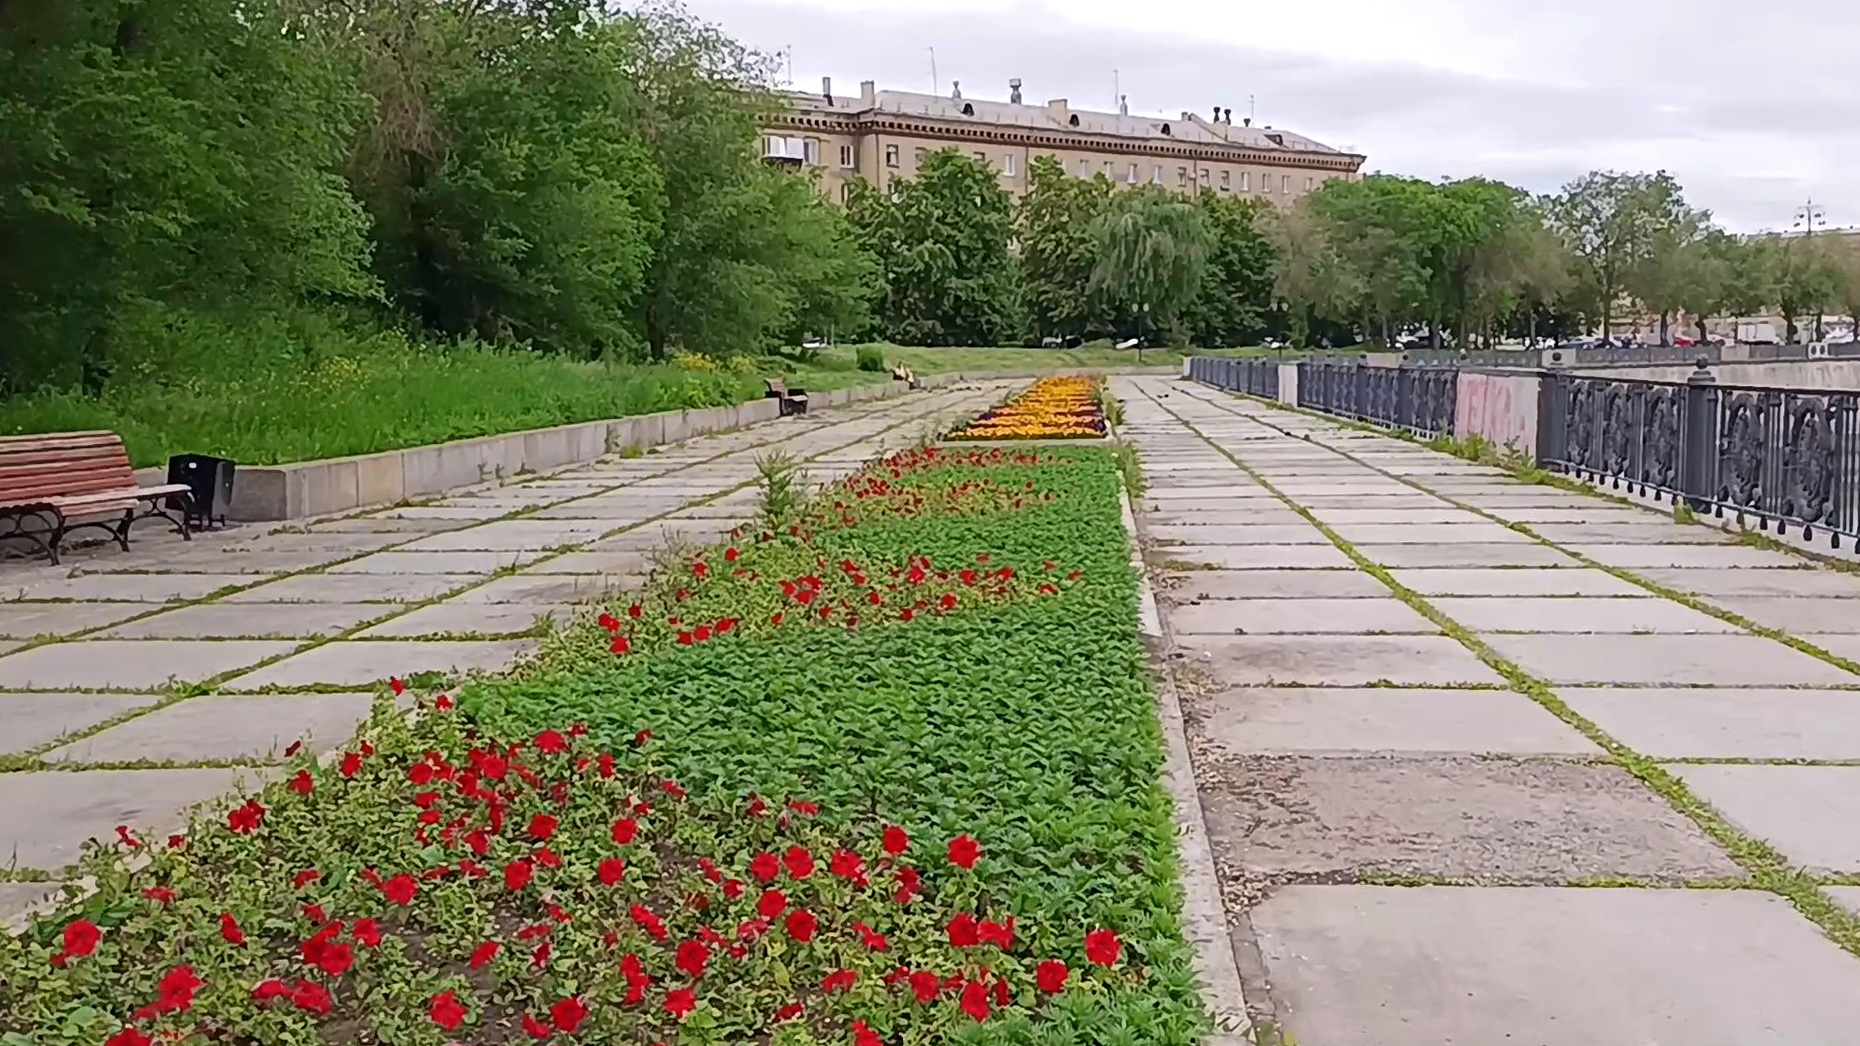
(1753, 106)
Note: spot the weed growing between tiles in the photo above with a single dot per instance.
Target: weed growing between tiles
(885, 774)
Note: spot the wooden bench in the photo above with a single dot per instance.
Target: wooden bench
(71, 480)
(793, 401)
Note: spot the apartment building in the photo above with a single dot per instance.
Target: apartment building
(880, 136)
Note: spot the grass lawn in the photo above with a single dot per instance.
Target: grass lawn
(1093, 356)
(884, 773)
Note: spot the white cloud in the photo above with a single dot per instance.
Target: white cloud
(1751, 106)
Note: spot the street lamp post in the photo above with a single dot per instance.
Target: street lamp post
(1806, 217)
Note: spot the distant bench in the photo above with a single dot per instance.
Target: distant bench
(793, 401)
(72, 480)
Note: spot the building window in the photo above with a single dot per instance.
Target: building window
(891, 156)
(1310, 183)
(1246, 181)
(1181, 177)
(1265, 183)
(981, 158)
(1007, 164)
(1203, 178)
(845, 191)
(1285, 183)
(918, 155)
(1156, 175)
(1134, 175)
(810, 150)
(1084, 168)
(1227, 181)
(846, 157)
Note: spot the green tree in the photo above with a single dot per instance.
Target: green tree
(1232, 304)
(1312, 278)
(1614, 224)
(1153, 247)
(1058, 251)
(943, 241)
(1803, 277)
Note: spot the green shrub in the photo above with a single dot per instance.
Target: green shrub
(870, 357)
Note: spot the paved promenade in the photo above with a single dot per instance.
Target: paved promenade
(1485, 762)
(133, 685)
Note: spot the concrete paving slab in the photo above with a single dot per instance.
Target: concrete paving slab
(1594, 512)
(16, 898)
(1721, 583)
(355, 588)
(214, 561)
(1725, 722)
(464, 619)
(434, 562)
(1358, 720)
(1810, 813)
(638, 561)
(1665, 660)
(393, 527)
(362, 663)
(31, 620)
(537, 588)
(1635, 556)
(1334, 660)
(250, 621)
(30, 720)
(1547, 820)
(1266, 515)
(513, 536)
(1342, 517)
(1518, 554)
(1847, 897)
(1238, 534)
(1797, 615)
(1840, 646)
(1189, 586)
(224, 727)
(131, 664)
(1652, 531)
(139, 588)
(1260, 616)
(1577, 614)
(47, 815)
(1423, 966)
(1469, 533)
(1250, 557)
(1525, 581)
(316, 541)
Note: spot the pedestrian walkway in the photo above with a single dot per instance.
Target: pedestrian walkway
(1487, 762)
(134, 685)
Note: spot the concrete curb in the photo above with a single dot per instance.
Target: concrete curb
(1204, 917)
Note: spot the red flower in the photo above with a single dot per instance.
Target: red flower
(731, 555)
(910, 884)
(537, 1029)
(539, 958)
(799, 862)
(771, 904)
(926, 986)
(789, 1012)
(873, 940)
(1102, 947)
(482, 955)
(305, 878)
(612, 871)
(567, 1014)
(680, 1001)
(303, 783)
(446, 1010)
(311, 997)
(517, 874)
(1001, 935)
(803, 807)
(246, 819)
(692, 957)
(81, 938)
(333, 958)
(128, 1037)
(400, 889)
(765, 867)
(702, 633)
(1050, 976)
(624, 830)
(896, 840)
(802, 924)
(948, 602)
(608, 622)
(1004, 997)
(700, 569)
(620, 645)
(964, 852)
(975, 1000)
(269, 991)
(159, 894)
(838, 981)
(551, 741)
(542, 826)
(397, 686)
(648, 921)
(635, 611)
(230, 931)
(863, 1035)
(175, 993)
(963, 932)
(351, 764)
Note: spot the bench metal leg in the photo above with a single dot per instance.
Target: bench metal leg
(44, 539)
(184, 502)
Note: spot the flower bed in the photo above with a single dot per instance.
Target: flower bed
(1052, 408)
(941, 654)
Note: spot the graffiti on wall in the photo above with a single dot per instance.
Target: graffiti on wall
(1502, 408)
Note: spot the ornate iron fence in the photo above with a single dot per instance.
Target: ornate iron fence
(1417, 399)
(1788, 457)
(1253, 377)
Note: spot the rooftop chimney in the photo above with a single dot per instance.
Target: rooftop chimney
(1014, 91)
(826, 88)
(1123, 105)
(1058, 109)
(1246, 121)
(868, 93)
(1217, 114)
(955, 89)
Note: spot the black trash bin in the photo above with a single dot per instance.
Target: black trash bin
(211, 481)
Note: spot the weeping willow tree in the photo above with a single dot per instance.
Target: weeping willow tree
(1152, 249)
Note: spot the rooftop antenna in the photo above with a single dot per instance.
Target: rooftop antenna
(1251, 110)
(788, 52)
(1117, 90)
(936, 82)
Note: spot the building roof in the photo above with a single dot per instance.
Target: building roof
(1058, 115)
